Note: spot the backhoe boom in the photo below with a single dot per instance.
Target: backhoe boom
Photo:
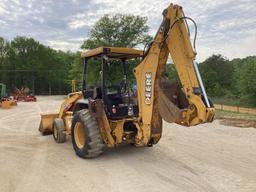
(185, 103)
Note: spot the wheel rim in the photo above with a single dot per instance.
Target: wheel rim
(55, 134)
(79, 135)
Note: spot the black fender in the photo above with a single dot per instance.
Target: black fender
(80, 105)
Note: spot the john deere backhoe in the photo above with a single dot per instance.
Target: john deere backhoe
(109, 112)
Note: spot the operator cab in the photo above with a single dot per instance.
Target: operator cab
(108, 75)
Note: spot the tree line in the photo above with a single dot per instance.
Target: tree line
(26, 62)
(230, 81)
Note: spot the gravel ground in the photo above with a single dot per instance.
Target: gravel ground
(208, 157)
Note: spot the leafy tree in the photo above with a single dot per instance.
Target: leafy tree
(4, 49)
(76, 69)
(4, 46)
(93, 75)
(245, 78)
(28, 63)
(171, 72)
(217, 73)
(118, 31)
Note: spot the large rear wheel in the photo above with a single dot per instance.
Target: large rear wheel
(85, 134)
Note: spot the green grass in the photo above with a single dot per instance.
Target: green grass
(235, 115)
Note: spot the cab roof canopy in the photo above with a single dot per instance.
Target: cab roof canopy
(113, 52)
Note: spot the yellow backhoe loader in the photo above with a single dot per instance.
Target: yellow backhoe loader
(110, 112)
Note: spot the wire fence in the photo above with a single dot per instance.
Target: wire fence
(235, 109)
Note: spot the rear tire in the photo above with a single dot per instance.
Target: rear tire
(58, 131)
(85, 134)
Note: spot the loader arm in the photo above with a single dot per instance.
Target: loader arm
(155, 98)
(47, 120)
(67, 104)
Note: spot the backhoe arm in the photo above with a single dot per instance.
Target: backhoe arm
(199, 109)
(185, 103)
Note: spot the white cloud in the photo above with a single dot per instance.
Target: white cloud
(2, 9)
(240, 47)
(64, 45)
(2, 23)
(151, 10)
(81, 20)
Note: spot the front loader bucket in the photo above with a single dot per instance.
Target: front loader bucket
(168, 93)
(46, 123)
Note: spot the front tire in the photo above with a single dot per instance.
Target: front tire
(58, 131)
(85, 134)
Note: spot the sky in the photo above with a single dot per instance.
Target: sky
(226, 27)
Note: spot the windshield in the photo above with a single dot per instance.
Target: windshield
(119, 75)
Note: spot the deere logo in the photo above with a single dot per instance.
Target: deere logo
(148, 88)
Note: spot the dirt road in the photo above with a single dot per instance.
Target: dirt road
(209, 157)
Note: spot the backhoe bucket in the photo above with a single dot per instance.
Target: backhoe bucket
(46, 123)
(167, 100)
